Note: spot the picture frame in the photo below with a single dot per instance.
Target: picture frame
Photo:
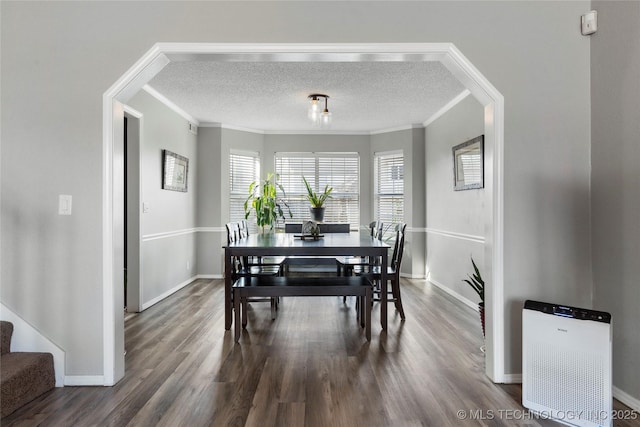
(175, 171)
(468, 164)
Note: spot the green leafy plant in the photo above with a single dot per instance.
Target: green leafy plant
(317, 200)
(264, 201)
(476, 282)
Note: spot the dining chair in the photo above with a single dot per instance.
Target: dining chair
(346, 264)
(260, 260)
(393, 272)
(242, 267)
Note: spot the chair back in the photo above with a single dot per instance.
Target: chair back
(233, 232)
(398, 248)
(243, 226)
(375, 228)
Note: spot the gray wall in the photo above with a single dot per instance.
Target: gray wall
(59, 58)
(134, 235)
(168, 248)
(455, 219)
(210, 219)
(615, 181)
(411, 142)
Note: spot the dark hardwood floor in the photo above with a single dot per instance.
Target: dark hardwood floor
(312, 366)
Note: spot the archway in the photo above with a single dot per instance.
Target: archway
(162, 53)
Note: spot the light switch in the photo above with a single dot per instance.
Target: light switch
(145, 207)
(64, 204)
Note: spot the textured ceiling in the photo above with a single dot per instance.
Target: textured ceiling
(272, 96)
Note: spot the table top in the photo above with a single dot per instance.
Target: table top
(287, 244)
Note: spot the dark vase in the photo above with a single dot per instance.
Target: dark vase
(317, 214)
(481, 311)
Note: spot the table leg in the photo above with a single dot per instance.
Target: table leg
(227, 290)
(237, 330)
(383, 290)
(366, 307)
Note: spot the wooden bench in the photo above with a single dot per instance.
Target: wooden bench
(270, 286)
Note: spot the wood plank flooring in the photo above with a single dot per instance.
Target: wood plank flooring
(312, 366)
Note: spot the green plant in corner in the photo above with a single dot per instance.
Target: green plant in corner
(476, 282)
(317, 200)
(264, 201)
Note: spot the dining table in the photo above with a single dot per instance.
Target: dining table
(292, 244)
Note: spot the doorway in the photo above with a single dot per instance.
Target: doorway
(132, 209)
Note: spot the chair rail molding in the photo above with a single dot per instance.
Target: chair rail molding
(174, 233)
(162, 53)
(456, 235)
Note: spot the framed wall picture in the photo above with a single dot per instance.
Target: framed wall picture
(468, 164)
(175, 171)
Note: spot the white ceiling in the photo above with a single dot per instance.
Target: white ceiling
(272, 96)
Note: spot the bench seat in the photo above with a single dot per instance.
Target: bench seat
(270, 286)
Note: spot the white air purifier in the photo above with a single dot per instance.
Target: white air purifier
(566, 364)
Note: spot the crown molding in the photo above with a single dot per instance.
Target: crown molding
(315, 132)
(447, 107)
(160, 97)
(307, 132)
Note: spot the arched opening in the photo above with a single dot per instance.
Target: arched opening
(161, 54)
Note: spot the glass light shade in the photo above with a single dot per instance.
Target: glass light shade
(325, 118)
(315, 105)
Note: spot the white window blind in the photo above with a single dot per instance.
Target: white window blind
(389, 187)
(338, 170)
(244, 168)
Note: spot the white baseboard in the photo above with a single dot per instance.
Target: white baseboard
(210, 276)
(465, 301)
(626, 398)
(83, 380)
(27, 338)
(511, 379)
(165, 294)
(412, 276)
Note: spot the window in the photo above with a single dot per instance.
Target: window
(389, 187)
(244, 168)
(338, 170)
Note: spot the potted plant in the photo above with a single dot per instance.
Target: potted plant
(317, 200)
(477, 284)
(265, 203)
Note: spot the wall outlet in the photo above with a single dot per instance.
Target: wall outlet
(589, 23)
(64, 204)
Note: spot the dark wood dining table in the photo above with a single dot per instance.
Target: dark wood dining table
(287, 244)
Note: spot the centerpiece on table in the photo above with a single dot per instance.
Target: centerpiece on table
(317, 200)
(310, 230)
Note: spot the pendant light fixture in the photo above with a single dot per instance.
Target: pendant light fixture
(318, 115)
